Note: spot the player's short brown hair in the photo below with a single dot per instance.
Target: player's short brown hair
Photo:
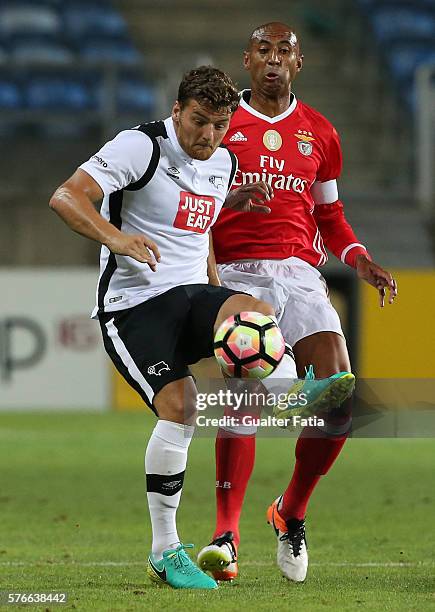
(209, 86)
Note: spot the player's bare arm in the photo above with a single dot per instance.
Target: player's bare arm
(377, 277)
(212, 272)
(250, 198)
(75, 202)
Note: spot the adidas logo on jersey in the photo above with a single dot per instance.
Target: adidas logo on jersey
(238, 137)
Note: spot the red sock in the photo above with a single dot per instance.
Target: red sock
(235, 455)
(314, 457)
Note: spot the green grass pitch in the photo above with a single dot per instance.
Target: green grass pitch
(73, 518)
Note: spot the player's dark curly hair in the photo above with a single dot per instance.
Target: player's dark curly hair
(209, 86)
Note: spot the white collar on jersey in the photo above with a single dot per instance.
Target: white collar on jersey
(169, 125)
(246, 93)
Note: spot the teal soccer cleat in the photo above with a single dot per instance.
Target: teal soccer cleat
(178, 571)
(316, 395)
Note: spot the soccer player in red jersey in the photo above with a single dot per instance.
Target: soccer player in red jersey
(289, 156)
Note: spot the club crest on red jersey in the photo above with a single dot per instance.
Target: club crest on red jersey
(272, 140)
(305, 139)
(306, 148)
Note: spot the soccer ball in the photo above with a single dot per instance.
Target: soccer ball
(248, 345)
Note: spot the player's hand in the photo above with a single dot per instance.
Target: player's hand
(377, 277)
(138, 246)
(250, 198)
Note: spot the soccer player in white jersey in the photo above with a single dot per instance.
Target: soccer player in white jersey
(296, 152)
(162, 185)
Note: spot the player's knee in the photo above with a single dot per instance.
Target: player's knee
(260, 306)
(177, 401)
(242, 303)
(177, 411)
(176, 408)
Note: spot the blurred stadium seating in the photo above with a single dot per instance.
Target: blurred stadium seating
(405, 34)
(69, 68)
(69, 56)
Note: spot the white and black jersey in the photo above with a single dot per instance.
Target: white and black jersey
(152, 187)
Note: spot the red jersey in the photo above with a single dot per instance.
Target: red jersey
(298, 153)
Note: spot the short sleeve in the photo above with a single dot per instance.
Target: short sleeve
(120, 161)
(332, 162)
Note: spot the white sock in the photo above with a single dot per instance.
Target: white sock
(285, 374)
(165, 463)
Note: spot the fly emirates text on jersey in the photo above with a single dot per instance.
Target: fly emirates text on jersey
(277, 180)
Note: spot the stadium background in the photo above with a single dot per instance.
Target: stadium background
(73, 73)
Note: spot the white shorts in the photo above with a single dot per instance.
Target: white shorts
(296, 290)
